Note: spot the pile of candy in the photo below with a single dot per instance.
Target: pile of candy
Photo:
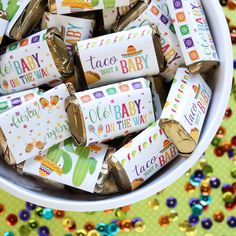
(100, 99)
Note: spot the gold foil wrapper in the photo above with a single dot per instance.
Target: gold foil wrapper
(5, 151)
(52, 6)
(3, 15)
(106, 184)
(130, 16)
(204, 67)
(178, 135)
(28, 19)
(59, 52)
(119, 174)
(76, 120)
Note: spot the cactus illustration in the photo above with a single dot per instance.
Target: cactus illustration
(109, 3)
(94, 2)
(83, 166)
(49, 163)
(12, 8)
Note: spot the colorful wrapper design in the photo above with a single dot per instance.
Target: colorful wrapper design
(111, 111)
(16, 99)
(65, 163)
(23, 15)
(69, 6)
(39, 59)
(142, 157)
(111, 16)
(194, 35)
(35, 125)
(120, 56)
(3, 24)
(153, 13)
(185, 110)
(72, 29)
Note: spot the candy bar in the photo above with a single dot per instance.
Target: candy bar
(23, 15)
(79, 167)
(35, 125)
(39, 59)
(145, 14)
(72, 29)
(3, 24)
(194, 35)
(110, 16)
(105, 113)
(16, 99)
(69, 6)
(185, 110)
(119, 56)
(141, 158)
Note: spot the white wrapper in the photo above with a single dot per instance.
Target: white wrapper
(187, 102)
(118, 56)
(146, 154)
(69, 6)
(37, 124)
(27, 64)
(65, 163)
(3, 27)
(157, 12)
(116, 110)
(73, 29)
(192, 31)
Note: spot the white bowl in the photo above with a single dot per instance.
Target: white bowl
(29, 190)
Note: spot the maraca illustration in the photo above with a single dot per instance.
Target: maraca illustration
(100, 129)
(91, 129)
(49, 164)
(49, 104)
(30, 146)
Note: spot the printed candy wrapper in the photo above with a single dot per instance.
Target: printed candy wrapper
(158, 14)
(23, 15)
(16, 99)
(194, 35)
(185, 110)
(72, 29)
(35, 125)
(65, 163)
(3, 24)
(69, 6)
(108, 112)
(120, 56)
(142, 157)
(34, 61)
(111, 16)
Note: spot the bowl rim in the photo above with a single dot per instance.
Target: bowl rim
(150, 189)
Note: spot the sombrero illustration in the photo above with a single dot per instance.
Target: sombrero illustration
(131, 51)
(196, 90)
(166, 145)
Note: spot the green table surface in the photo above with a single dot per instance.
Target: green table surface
(221, 166)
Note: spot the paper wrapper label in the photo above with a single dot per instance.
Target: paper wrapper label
(69, 6)
(187, 102)
(73, 29)
(65, 163)
(14, 10)
(146, 154)
(193, 31)
(115, 110)
(27, 64)
(110, 16)
(3, 26)
(16, 99)
(158, 13)
(36, 125)
(119, 56)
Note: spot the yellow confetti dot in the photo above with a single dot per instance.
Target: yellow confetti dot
(154, 204)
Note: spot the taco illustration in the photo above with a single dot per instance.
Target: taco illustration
(136, 183)
(195, 134)
(91, 77)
